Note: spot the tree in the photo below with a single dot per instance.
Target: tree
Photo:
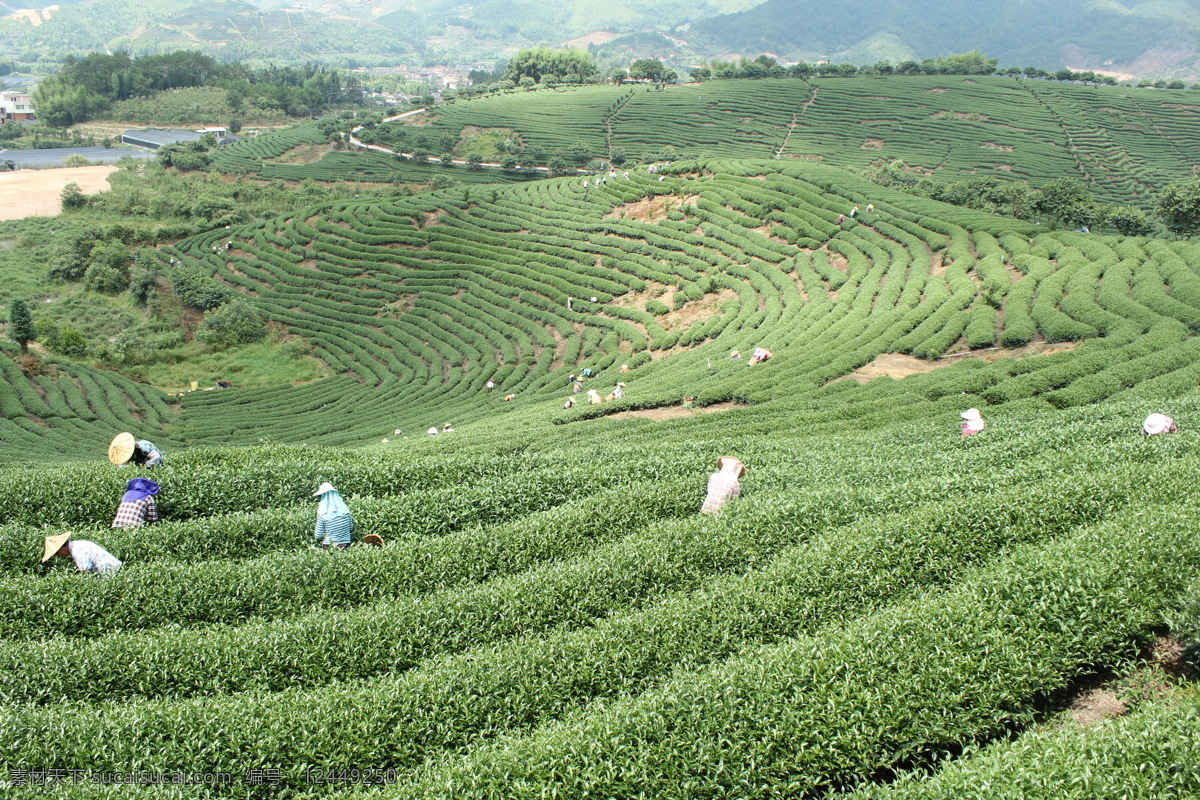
(1179, 207)
(234, 323)
(73, 197)
(1130, 221)
(20, 324)
(544, 65)
(647, 69)
(1066, 200)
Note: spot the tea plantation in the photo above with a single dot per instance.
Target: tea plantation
(888, 610)
(1125, 143)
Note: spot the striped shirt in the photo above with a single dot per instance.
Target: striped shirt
(136, 513)
(722, 487)
(334, 531)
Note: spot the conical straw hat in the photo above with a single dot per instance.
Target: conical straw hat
(121, 449)
(54, 544)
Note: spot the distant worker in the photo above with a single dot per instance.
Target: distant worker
(137, 508)
(841, 218)
(870, 207)
(1158, 423)
(490, 385)
(432, 431)
(570, 402)
(88, 556)
(593, 397)
(508, 398)
(124, 449)
(624, 368)
(723, 485)
(735, 354)
(854, 212)
(972, 422)
(334, 523)
(619, 392)
(447, 428)
(759, 355)
(688, 401)
(587, 372)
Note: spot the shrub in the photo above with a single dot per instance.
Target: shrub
(231, 324)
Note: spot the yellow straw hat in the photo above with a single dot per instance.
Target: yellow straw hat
(121, 448)
(54, 544)
(372, 539)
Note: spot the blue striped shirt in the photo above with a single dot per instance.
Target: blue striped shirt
(334, 530)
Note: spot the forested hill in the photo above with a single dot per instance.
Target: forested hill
(1134, 37)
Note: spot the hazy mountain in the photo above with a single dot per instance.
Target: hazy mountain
(1135, 37)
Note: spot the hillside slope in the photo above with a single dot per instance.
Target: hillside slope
(1136, 37)
(1125, 143)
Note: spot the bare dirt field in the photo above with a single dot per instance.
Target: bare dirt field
(674, 412)
(38, 192)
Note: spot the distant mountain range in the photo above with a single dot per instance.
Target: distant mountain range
(1135, 38)
(1160, 38)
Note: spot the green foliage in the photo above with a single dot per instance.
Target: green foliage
(543, 64)
(73, 197)
(196, 288)
(20, 324)
(1178, 207)
(230, 324)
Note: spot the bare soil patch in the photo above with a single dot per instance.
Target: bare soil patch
(898, 365)
(872, 144)
(1004, 148)
(650, 209)
(1004, 167)
(38, 192)
(937, 90)
(303, 154)
(1096, 705)
(595, 37)
(696, 310)
(674, 412)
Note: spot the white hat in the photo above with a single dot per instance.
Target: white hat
(1157, 423)
(325, 487)
(971, 414)
(432, 431)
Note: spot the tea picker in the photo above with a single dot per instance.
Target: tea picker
(723, 485)
(137, 508)
(1158, 423)
(88, 556)
(125, 449)
(334, 523)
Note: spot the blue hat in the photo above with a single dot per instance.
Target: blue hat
(138, 488)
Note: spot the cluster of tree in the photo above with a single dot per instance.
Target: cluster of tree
(87, 86)
(644, 69)
(970, 63)
(546, 66)
(1063, 202)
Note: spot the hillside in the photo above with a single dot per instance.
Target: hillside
(357, 32)
(1126, 144)
(550, 612)
(1137, 38)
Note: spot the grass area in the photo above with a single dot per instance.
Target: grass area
(267, 363)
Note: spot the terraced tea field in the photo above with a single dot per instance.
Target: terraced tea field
(551, 616)
(1126, 143)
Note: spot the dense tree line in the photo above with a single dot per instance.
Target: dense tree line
(87, 86)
